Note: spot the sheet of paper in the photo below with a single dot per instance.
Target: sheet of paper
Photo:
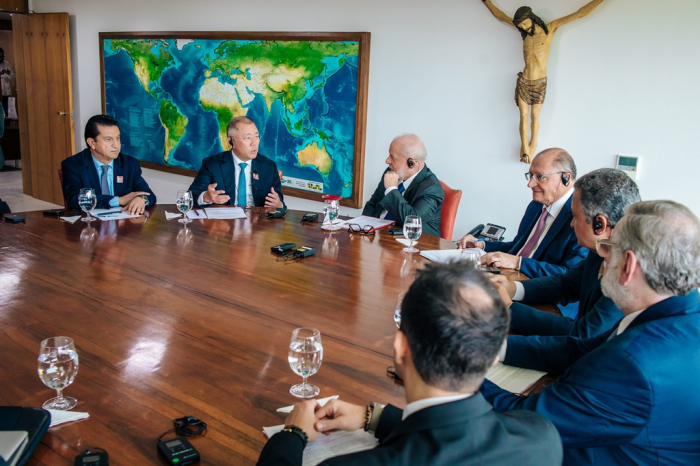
(513, 379)
(338, 443)
(443, 256)
(369, 221)
(225, 213)
(196, 214)
(59, 417)
(322, 402)
(71, 219)
(170, 215)
(115, 213)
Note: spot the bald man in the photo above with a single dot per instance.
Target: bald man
(408, 187)
(545, 244)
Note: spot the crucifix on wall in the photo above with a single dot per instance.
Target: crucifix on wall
(532, 81)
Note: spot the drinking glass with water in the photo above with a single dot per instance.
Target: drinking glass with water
(305, 356)
(58, 366)
(184, 204)
(412, 229)
(472, 257)
(87, 201)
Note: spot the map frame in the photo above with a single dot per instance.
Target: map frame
(363, 39)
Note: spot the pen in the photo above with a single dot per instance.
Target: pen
(104, 214)
(196, 213)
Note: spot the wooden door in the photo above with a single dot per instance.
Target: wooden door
(44, 100)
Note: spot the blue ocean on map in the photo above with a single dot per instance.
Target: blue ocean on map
(325, 115)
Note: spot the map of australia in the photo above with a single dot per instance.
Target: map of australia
(174, 97)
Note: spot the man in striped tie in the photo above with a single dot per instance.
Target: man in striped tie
(408, 187)
(115, 177)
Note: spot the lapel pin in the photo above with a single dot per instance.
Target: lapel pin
(255, 176)
(120, 179)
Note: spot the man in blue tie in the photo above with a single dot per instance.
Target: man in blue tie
(115, 177)
(408, 187)
(629, 396)
(241, 176)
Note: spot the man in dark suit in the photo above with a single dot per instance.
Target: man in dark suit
(599, 202)
(545, 243)
(452, 325)
(629, 396)
(244, 177)
(115, 177)
(408, 187)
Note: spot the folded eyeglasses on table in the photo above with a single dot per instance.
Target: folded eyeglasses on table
(363, 230)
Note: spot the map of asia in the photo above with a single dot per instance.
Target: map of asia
(174, 97)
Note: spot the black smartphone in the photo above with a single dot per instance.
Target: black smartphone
(490, 270)
(396, 231)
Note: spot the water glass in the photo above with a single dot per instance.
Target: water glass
(184, 204)
(58, 366)
(470, 256)
(331, 211)
(305, 356)
(397, 311)
(412, 229)
(87, 201)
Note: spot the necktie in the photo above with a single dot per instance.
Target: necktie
(242, 195)
(388, 214)
(530, 246)
(105, 181)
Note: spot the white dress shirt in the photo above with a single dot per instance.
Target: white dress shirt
(554, 211)
(406, 184)
(428, 402)
(627, 320)
(248, 183)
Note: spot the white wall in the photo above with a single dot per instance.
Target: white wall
(622, 80)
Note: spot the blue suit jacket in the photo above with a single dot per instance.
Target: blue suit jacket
(79, 172)
(596, 313)
(219, 169)
(557, 252)
(631, 400)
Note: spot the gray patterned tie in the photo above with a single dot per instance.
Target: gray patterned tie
(105, 180)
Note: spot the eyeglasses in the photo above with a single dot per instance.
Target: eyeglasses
(540, 178)
(365, 230)
(603, 246)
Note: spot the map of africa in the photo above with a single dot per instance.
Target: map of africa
(174, 97)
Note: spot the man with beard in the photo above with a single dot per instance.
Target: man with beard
(629, 396)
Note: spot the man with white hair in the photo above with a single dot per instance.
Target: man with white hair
(629, 396)
(408, 187)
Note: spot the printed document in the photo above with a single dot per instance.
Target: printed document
(513, 379)
(225, 213)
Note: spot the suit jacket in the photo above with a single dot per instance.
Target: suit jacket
(220, 169)
(79, 172)
(422, 198)
(596, 313)
(631, 400)
(457, 433)
(557, 252)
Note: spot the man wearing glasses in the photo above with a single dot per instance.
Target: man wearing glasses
(545, 243)
(242, 176)
(629, 396)
(599, 202)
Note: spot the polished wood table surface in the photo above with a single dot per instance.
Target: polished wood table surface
(171, 321)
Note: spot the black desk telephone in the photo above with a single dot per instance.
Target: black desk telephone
(489, 232)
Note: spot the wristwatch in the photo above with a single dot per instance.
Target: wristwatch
(144, 197)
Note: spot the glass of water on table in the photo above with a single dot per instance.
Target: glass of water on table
(412, 229)
(57, 367)
(184, 204)
(305, 356)
(87, 201)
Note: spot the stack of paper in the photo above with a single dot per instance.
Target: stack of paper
(115, 213)
(443, 256)
(364, 221)
(324, 447)
(225, 213)
(513, 379)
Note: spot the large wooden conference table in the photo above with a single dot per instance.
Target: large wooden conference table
(171, 321)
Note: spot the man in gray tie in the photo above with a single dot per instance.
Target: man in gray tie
(115, 177)
(408, 187)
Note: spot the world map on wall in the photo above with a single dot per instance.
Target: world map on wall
(174, 97)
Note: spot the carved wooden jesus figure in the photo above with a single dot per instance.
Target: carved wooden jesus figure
(532, 82)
